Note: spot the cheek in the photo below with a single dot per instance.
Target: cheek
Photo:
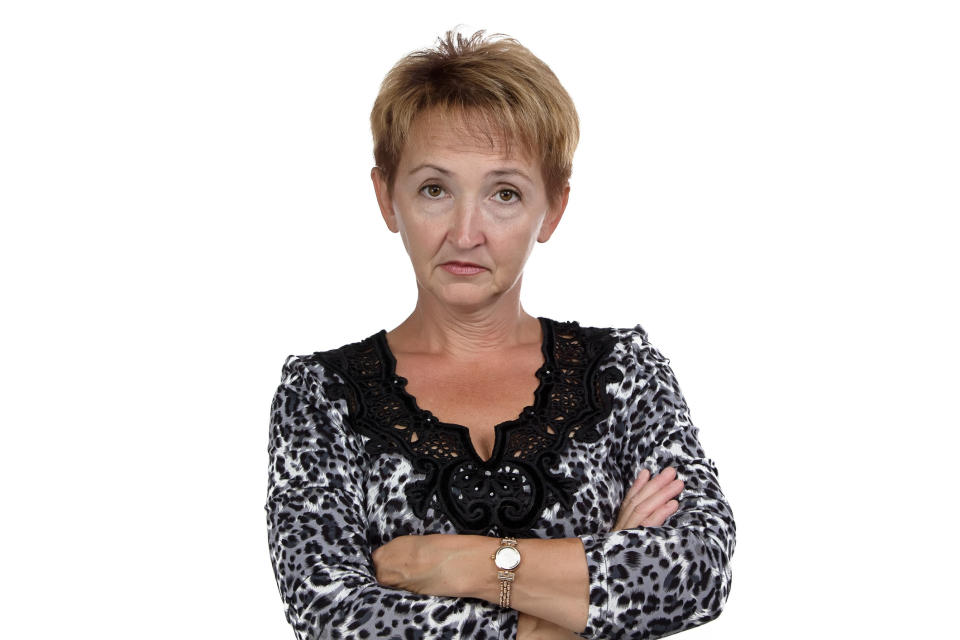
(513, 248)
(421, 243)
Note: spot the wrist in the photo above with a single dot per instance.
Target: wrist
(476, 573)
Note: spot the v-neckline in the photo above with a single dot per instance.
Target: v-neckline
(399, 383)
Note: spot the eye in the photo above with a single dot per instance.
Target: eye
(432, 190)
(512, 195)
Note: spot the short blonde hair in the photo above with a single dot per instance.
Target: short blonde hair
(513, 94)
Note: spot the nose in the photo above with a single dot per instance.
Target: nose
(466, 225)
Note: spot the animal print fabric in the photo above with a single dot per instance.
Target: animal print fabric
(338, 488)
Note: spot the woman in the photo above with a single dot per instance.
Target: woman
(478, 472)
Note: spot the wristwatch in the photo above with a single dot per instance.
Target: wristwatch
(507, 558)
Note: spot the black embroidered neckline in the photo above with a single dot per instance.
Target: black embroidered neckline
(506, 494)
(539, 396)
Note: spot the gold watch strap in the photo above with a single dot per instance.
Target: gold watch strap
(506, 578)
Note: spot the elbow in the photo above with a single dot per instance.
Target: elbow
(690, 609)
(691, 593)
(695, 594)
(658, 581)
(719, 592)
(716, 577)
(328, 606)
(307, 611)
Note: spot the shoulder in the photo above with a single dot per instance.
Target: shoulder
(322, 374)
(633, 339)
(618, 337)
(630, 350)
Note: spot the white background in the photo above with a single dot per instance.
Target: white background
(769, 188)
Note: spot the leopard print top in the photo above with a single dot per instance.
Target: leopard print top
(354, 462)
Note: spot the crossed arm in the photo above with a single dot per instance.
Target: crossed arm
(552, 582)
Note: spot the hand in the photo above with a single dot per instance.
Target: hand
(420, 564)
(648, 502)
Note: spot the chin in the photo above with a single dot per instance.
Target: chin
(466, 299)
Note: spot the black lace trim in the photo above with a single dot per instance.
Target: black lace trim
(506, 494)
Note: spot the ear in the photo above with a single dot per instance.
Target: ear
(383, 199)
(554, 213)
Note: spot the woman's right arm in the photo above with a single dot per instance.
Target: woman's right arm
(317, 532)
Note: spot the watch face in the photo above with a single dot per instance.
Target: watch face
(507, 558)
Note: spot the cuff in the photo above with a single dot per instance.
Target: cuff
(597, 608)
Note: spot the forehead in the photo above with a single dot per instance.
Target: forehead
(436, 134)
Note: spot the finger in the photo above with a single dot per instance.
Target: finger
(645, 508)
(656, 516)
(642, 489)
(669, 491)
(640, 481)
(635, 511)
(660, 515)
(651, 487)
(630, 498)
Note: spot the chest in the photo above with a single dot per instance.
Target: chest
(477, 397)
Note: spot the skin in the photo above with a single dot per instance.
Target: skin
(459, 210)
(467, 215)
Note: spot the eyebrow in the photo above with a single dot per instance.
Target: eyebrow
(495, 172)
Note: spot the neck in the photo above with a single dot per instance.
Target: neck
(465, 334)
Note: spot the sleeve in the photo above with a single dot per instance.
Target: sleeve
(316, 528)
(650, 582)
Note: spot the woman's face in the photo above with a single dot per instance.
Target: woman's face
(458, 198)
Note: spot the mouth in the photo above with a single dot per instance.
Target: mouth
(462, 268)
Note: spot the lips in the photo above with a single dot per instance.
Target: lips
(465, 264)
